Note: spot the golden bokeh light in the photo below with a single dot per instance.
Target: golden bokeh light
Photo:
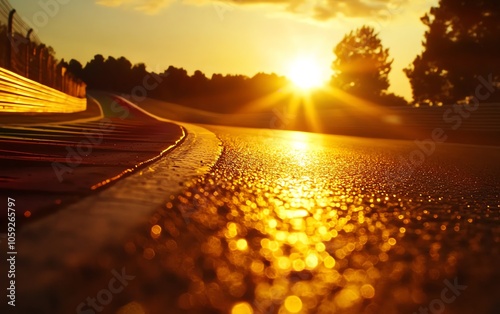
(293, 304)
(367, 291)
(241, 244)
(242, 308)
(155, 231)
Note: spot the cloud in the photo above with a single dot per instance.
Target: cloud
(146, 6)
(328, 9)
(356, 8)
(317, 9)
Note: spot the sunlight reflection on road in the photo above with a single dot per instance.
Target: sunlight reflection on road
(290, 230)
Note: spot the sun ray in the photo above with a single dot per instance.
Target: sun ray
(267, 101)
(358, 107)
(311, 114)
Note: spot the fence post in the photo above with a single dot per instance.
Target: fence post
(63, 78)
(49, 80)
(41, 63)
(8, 55)
(28, 48)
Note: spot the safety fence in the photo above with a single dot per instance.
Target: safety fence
(22, 53)
(19, 94)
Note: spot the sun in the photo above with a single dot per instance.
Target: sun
(305, 73)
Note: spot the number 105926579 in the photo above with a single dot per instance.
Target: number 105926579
(11, 225)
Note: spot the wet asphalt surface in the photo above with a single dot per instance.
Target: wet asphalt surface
(291, 222)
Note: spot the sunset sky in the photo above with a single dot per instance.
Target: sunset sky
(235, 37)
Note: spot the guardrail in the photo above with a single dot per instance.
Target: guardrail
(485, 118)
(20, 94)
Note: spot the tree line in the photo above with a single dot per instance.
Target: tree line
(219, 93)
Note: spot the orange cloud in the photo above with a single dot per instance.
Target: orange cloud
(317, 9)
(146, 6)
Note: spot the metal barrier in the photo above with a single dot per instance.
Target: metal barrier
(19, 94)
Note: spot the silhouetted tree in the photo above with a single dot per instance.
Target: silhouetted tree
(178, 82)
(76, 68)
(462, 43)
(198, 83)
(136, 76)
(112, 74)
(263, 83)
(362, 65)
(94, 73)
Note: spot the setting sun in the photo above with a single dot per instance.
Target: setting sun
(305, 73)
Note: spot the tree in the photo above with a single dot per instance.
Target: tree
(118, 73)
(362, 66)
(461, 44)
(111, 74)
(137, 75)
(94, 73)
(75, 67)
